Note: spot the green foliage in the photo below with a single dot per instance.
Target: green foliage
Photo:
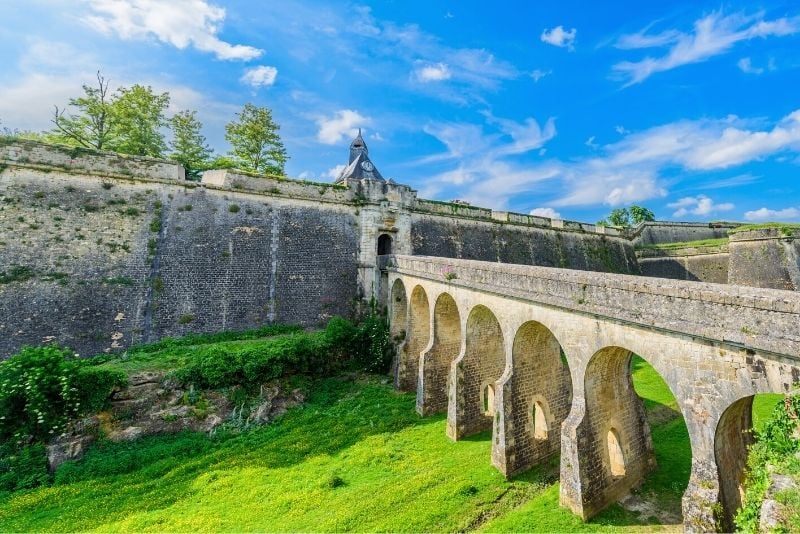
(23, 467)
(138, 115)
(342, 344)
(255, 143)
(17, 273)
(91, 124)
(189, 147)
(775, 446)
(42, 388)
(640, 214)
(218, 337)
(623, 217)
(233, 208)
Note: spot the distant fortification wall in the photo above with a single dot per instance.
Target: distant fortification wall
(659, 232)
(766, 257)
(699, 264)
(488, 239)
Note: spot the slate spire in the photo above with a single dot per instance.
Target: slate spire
(360, 167)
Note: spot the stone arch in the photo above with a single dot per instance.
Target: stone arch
(732, 437)
(480, 363)
(538, 384)
(618, 453)
(417, 337)
(384, 244)
(435, 362)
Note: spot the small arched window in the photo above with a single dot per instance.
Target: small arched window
(488, 399)
(539, 420)
(384, 244)
(615, 456)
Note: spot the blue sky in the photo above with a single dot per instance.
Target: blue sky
(565, 108)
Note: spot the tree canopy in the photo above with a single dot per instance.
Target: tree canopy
(624, 217)
(255, 143)
(189, 147)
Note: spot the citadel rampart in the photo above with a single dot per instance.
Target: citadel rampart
(766, 257)
(100, 251)
(699, 263)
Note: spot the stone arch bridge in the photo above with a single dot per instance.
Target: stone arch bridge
(542, 357)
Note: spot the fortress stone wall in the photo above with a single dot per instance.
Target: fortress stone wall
(699, 264)
(767, 257)
(100, 251)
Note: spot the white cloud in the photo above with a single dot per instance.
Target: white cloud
(181, 23)
(591, 143)
(334, 172)
(621, 130)
(538, 74)
(558, 36)
(342, 126)
(712, 35)
(261, 76)
(766, 214)
(485, 173)
(546, 212)
(634, 169)
(746, 66)
(433, 73)
(700, 205)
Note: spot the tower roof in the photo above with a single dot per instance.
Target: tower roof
(360, 167)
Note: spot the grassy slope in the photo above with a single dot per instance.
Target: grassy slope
(356, 457)
(686, 244)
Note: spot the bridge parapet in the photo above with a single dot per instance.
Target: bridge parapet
(761, 319)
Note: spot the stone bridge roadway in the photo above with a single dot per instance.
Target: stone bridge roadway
(542, 357)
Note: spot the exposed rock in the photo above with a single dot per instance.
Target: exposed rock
(211, 422)
(772, 512)
(73, 442)
(129, 434)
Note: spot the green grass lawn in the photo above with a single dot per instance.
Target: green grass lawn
(356, 457)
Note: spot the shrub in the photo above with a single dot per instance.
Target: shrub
(42, 388)
(23, 468)
(233, 208)
(775, 445)
(342, 344)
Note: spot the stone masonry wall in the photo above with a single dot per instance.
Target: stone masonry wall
(768, 257)
(489, 240)
(658, 232)
(702, 264)
(98, 264)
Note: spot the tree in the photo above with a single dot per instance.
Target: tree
(622, 217)
(188, 145)
(91, 125)
(138, 117)
(619, 217)
(255, 143)
(640, 214)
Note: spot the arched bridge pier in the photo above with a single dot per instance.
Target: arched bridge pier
(542, 357)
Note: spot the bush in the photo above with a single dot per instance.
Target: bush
(342, 343)
(42, 388)
(23, 468)
(776, 446)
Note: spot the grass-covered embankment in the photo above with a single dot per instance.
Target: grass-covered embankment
(356, 457)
